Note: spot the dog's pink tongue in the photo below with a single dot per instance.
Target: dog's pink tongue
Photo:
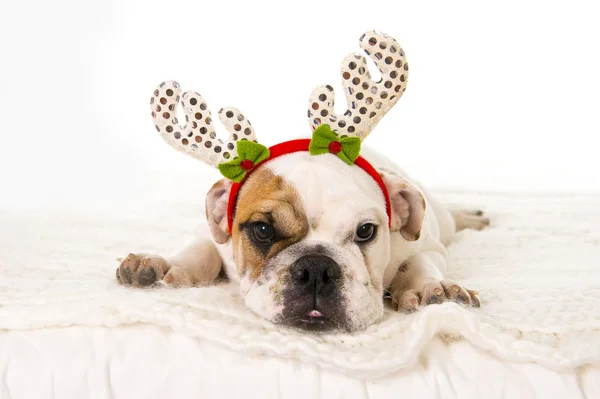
(315, 313)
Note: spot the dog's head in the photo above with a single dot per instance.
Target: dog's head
(311, 239)
(310, 233)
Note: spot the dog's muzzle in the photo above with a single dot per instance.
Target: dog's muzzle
(312, 299)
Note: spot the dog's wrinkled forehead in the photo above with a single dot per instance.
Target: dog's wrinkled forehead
(335, 197)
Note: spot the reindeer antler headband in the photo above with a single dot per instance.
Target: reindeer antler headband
(368, 101)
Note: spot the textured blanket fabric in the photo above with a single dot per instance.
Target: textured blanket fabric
(536, 269)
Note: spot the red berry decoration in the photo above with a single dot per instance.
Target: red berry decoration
(247, 164)
(335, 147)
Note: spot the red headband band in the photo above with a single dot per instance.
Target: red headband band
(290, 147)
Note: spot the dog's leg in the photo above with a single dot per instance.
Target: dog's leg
(196, 263)
(420, 282)
(470, 219)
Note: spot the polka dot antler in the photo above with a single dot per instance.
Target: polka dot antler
(337, 135)
(197, 137)
(368, 101)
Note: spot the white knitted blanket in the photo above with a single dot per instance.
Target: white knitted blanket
(536, 268)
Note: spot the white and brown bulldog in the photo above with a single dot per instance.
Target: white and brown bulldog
(312, 241)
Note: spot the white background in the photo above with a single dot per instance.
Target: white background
(501, 96)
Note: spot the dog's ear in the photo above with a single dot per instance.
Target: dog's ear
(408, 206)
(216, 210)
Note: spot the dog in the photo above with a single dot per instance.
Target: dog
(315, 253)
(314, 243)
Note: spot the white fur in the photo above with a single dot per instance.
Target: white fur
(336, 198)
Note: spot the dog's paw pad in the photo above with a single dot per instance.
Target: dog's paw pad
(475, 302)
(140, 270)
(176, 277)
(408, 301)
(435, 292)
(456, 293)
(431, 292)
(147, 276)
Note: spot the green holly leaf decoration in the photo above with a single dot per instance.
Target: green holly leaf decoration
(250, 154)
(232, 170)
(326, 141)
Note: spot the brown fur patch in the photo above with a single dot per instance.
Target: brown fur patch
(267, 198)
(403, 267)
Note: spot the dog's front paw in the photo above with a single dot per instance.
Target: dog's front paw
(429, 291)
(141, 270)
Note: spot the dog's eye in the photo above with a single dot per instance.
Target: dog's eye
(365, 232)
(263, 232)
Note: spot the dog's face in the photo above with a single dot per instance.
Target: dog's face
(310, 240)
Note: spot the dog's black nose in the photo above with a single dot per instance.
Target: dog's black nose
(316, 273)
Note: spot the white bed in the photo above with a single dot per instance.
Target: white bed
(67, 330)
(153, 362)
